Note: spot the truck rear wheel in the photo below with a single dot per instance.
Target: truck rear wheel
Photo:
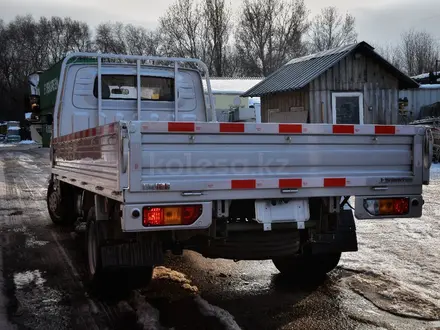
(307, 265)
(94, 237)
(60, 205)
(102, 280)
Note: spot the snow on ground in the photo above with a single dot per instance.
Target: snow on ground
(23, 143)
(397, 262)
(27, 142)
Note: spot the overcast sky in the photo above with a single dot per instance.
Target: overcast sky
(379, 21)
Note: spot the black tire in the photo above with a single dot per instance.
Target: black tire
(307, 266)
(102, 281)
(93, 241)
(61, 205)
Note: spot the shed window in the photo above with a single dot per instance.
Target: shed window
(348, 108)
(124, 87)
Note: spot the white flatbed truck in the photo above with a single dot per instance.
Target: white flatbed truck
(153, 171)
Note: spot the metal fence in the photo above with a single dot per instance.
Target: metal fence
(417, 98)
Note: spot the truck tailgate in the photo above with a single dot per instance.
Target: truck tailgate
(209, 161)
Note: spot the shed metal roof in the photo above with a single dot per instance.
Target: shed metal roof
(299, 72)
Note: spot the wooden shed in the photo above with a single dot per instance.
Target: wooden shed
(348, 85)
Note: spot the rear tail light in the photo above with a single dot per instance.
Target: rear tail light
(387, 206)
(171, 215)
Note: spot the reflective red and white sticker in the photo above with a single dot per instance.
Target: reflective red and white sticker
(286, 183)
(91, 132)
(276, 128)
(249, 128)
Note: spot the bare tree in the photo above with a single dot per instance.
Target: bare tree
(28, 46)
(140, 41)
(392, 54)
(218, 26)
(419, 51)
(269, 33)
(60, 36)
(110, 38)
(330, 29)
(181, 30)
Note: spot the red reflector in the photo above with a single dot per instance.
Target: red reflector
(401, 206)
(243, 184)
(343, 129)
(181, 127)
(334, 182)
(290, 183)
(190, 214)
(385, 129)
(231, 128)
(153, 216)
(290, 128)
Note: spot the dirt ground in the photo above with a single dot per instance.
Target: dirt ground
(392, 282)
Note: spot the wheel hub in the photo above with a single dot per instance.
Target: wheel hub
(54, 201)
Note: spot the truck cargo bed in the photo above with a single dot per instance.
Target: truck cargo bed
(163, 161)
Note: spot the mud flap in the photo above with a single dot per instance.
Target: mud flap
(342, 240)
(140, 253)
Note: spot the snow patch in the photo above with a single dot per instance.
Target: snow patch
(27, 142)
(214, 311)
(432, 86)
(147, 316)
(32, 242)
(424, 75)
(26, 278)
(435, 171)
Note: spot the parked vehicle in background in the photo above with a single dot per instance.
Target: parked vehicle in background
(139, 158)
(3, 131)
(13, 132)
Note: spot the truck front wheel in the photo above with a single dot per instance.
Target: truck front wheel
(60, 204)
(307, 266)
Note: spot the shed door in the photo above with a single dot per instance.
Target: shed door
(348, 108)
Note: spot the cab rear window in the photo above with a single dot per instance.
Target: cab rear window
(124, 87)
